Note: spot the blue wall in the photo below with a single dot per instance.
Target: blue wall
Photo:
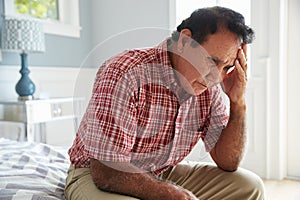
(60, 50)
(99, 20)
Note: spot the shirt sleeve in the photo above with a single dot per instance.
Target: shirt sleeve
(110, 117)
(218, 118)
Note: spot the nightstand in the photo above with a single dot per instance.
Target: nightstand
(30, 117)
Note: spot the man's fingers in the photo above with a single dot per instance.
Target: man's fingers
(245, 48)
(242, 60)
(242, 70)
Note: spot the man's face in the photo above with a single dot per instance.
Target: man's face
(206, 65)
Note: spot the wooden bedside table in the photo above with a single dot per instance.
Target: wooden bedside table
(34, 114)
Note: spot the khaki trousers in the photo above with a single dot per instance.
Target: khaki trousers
(205, 180)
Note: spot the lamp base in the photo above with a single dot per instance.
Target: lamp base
(25, 88)
(25, 98)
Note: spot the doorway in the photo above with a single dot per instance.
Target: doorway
(293, 91)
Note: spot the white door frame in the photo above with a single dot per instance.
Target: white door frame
(293, 97)
(268, 156)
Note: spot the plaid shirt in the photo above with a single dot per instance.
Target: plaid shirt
(138, 113)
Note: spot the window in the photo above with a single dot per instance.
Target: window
(60, 17)
(43, 9)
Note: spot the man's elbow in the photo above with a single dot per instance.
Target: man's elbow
(228, 168)
(100, 178)
(229, 163)
(100, 181)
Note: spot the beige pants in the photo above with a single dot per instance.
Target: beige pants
(205, 180)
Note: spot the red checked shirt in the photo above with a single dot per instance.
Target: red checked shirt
(138, 113)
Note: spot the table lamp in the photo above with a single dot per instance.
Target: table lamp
(23, 35)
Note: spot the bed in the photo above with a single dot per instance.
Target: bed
(32, 170)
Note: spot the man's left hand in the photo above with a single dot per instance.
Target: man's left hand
(234, 83)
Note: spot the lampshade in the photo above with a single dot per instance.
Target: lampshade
(22, 35)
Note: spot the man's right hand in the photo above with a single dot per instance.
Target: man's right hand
(181, 193)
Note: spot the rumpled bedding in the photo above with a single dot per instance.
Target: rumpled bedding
(32, 171)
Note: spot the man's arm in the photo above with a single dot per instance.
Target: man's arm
(126, 179)
(228, 151)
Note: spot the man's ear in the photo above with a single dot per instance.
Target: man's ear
(184, 39)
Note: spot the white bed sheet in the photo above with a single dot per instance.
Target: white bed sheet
(32, 171)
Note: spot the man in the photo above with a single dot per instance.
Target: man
(149, 107)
